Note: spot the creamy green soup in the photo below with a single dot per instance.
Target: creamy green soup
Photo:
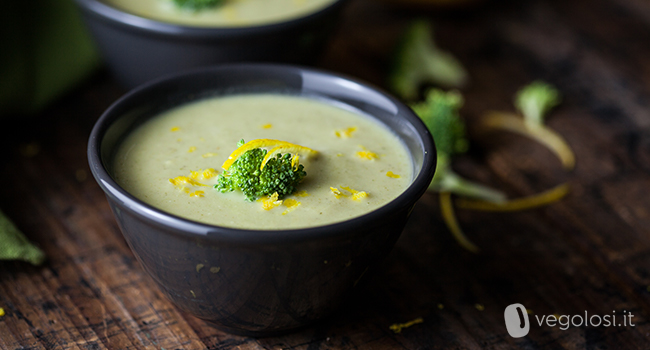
(233, 13)
(171, 161)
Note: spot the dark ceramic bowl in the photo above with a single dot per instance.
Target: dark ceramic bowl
(257, 282)
(139, 49)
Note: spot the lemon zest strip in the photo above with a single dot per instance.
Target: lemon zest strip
(367, 154)
(345, 133)
(338, 194)
(260, 143)
(447, 211)
(270, 202)
(291, 205)
(397, 327)
(530, 202)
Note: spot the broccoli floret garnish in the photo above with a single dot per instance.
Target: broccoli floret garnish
(440, 114)
(279, 175)
(417, 61)
(535, 100)
(197, 4)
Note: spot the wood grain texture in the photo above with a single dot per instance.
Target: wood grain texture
(589, 252)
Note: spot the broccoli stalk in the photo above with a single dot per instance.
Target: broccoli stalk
(419, 61)
(281, 174)
(534, 101)
(440, 114)
(197, 5)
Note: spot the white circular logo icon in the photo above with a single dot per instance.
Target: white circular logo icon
(516, 320)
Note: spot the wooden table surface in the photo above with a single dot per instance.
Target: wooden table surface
(590, 252)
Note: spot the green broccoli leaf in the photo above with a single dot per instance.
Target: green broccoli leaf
(417, 61)
(15, 246)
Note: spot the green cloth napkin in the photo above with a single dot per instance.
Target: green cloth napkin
(15, 246)
(44, 52)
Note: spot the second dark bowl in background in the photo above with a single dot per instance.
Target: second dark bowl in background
(138, 49)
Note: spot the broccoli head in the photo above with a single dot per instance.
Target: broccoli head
(281, 174)
(439, 112)
(535, 100)
(417, 61)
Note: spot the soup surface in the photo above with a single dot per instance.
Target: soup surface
(355, 154)
(233, 13)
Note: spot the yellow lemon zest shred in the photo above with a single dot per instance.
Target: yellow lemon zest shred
(267, 126)
(295, 161)
(181, 181)
(192, 149)
(397, 327)
(208, 155)
(367, 154)
(359, 195)
(197, 194)
(356, 195)
(301, 194)
(345, 133)
(284, 149)
(271, 202)
(174, 129)
(337, 193)
(291, 205)
(208, 173)
(194, 174)
(392, 175)
(349, 189)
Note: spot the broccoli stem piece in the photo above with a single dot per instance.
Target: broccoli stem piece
(534, 101)
(417, 60)
(452, 182)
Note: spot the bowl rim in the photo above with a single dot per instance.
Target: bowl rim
(149, 25)
(190, 228)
